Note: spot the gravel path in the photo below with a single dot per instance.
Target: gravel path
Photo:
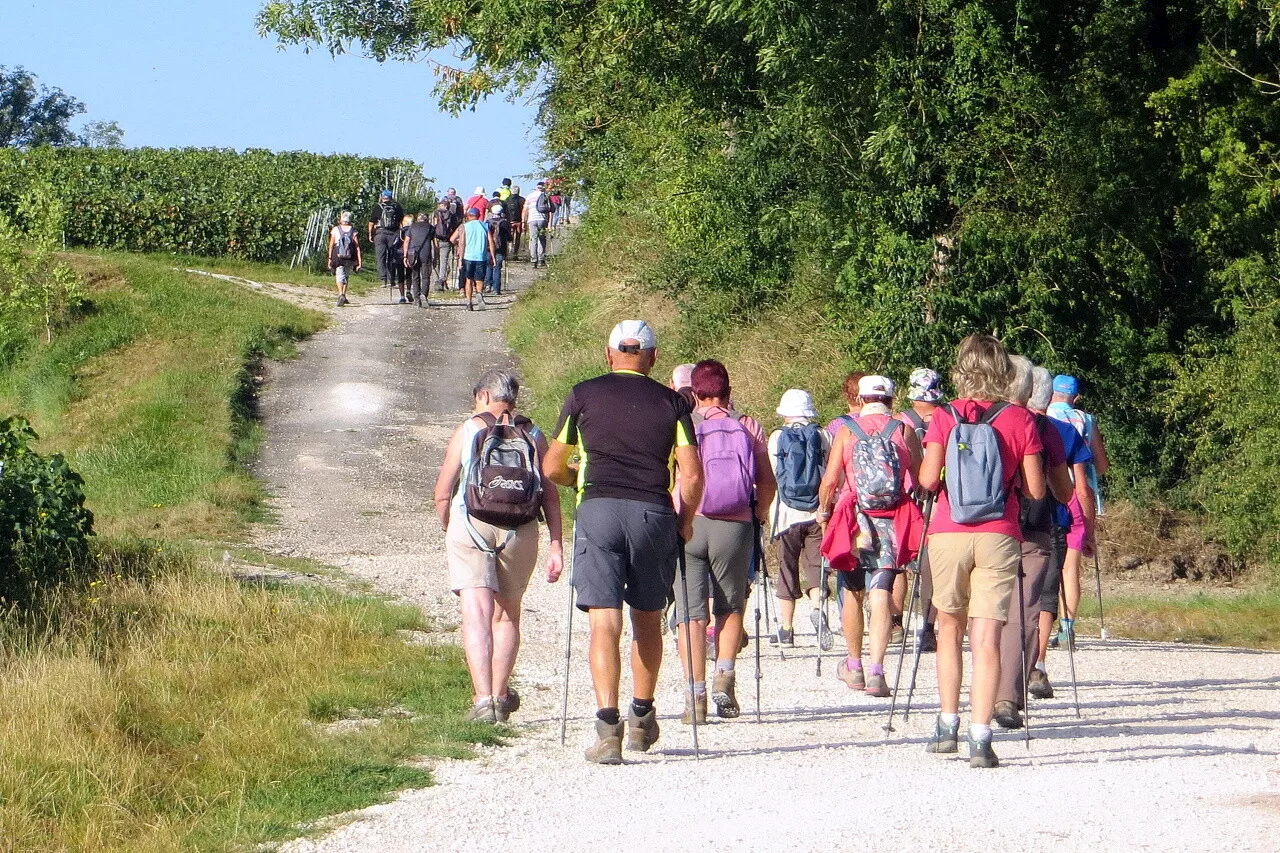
(1177, 747)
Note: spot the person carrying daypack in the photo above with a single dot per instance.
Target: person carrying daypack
(419, 251)
(798, 453)
(875, 458)
(974, 539)
(384, 234)
(443, 224)
(488, 498)
(536, 219)
(344, 253)
(924, 394)
(738, 489)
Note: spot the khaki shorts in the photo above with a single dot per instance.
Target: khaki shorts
(506, 573)
(974, 572)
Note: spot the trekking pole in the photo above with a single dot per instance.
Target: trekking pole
(920, 564)
(568, 637)
(758, 559)
(906, 623)
(688, 647)
(822, 608)
(1097, 578)
(1071, 648)
(1022, 654)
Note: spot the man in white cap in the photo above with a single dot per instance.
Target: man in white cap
(626, 428)
(798, 453)
(877, 456)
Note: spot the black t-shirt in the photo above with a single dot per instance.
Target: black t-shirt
(420, 240)
(626, 427)
(514, 206)
(376, 216)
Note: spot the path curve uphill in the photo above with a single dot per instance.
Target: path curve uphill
(1176, 748)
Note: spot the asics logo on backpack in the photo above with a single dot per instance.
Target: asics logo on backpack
(500, 482)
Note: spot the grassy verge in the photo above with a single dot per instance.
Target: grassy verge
(183, 710)
(361, 282)
(599, 279)
(149, 394)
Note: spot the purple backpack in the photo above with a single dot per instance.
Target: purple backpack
(728, 466)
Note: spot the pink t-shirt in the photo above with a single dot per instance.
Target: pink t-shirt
(872, 424)
(1018, 437)
(759, 440)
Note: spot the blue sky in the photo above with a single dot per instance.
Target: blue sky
(195, 72)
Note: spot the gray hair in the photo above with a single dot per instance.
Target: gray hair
(345, 217)
(1041, 389)
(1020, 386)
(502, 385)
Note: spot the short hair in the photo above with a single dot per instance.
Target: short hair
(850, 386)
(1041, 388)
(710, 380)
(1020, 386)
(982, 370)
(502, 385)
(345, 217)
(423, 216)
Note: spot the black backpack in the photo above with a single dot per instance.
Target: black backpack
(389, 218)
(503, 486)
(544, 203)
(1036, 516)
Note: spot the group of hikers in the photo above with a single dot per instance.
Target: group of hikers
(988, 498)
(471, 239)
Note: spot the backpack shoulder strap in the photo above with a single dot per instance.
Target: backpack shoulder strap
(856, 428)
(889, 428)
(991, 413)
(489, 418)
(955, 414)
(912, 415)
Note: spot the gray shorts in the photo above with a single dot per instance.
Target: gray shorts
(625, 551)
(719, 558)
(340, 273)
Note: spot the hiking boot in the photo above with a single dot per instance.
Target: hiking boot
(784, 637)
(1067, 634)
(854, 678)
(342, 300)
(642, 732)
(895, 636)
(483, 711)
(926, 640)
(608, 746)
(1006, 715)
(403, 301)
(694, 705)
(981, 754)
(946, 738)
(822, 629)
(876, 686)
(505, 706)
(724, 695)
(1038, 685)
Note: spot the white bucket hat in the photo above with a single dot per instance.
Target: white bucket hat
(796, 403)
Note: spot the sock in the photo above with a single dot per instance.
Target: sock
(854, 664)
(952, 720)
(897, 621)
(979, 732)
(1040, 666)
(876, 669)
(609, 716)
(725, 665)
(699, 688)
(640, 707)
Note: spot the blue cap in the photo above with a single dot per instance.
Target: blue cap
(1063, 384)
(473, 211)
(386, 193)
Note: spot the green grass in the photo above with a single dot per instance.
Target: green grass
(360, 283)
(1251, 620)
(149, 394)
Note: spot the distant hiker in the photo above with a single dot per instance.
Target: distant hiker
(384, 234)
(454, 202)
(418, 249)
(1080, 539)
(627, 428)
(514, 206)
(479, 202)
(344, 253)
(491, 541)
(443, 225)
(872, 466)
(500, 232)
(738, 488)
(399, 267)
(536, 218)
(474, 244)
(1036, 522)
(798, 453)
(1068, 531)
(849, 389)
(974, 534)
(924, 394)
(682, 382)
(504, 191)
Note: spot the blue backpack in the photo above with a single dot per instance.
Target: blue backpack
(802, 457)
(974, 469)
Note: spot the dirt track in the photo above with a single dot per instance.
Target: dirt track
(1177, 748)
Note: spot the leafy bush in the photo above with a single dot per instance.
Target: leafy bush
(44, 525)
(203, 201)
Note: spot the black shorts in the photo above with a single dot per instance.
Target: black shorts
(1053, 577)
(624, 551)
(864, 578)
(474, 270)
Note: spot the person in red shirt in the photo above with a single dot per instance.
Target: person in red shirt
(975, 565)
(479, 202)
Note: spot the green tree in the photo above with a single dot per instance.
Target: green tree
(31, 114)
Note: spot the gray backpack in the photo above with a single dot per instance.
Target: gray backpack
(974, 470)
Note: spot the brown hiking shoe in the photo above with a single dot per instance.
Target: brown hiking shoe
(505, 706)
(724, 695)
(608, 746)
(877, 686)
(855, 679)
(1006, 715)
(642, 732)
(1038, 685)
(483, 711)
(692, 706)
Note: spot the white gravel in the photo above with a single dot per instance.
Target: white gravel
(1177, 748)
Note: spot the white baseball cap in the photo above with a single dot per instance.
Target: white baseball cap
(876, 386)
(682, 376)
(796, 403)
(633, 330)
